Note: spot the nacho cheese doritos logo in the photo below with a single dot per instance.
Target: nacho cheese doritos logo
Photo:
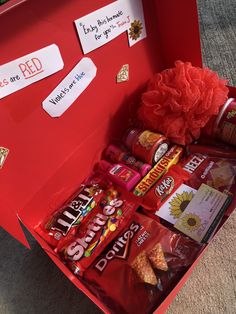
(120, 247)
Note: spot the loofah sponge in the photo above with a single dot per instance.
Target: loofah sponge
(180, 101)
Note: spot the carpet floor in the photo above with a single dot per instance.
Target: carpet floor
(30, 282)
(212, 286)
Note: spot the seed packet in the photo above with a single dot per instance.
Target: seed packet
(176, 204)
(203, 214)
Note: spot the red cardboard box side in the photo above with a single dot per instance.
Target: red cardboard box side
(178, 32)
(40, 145)
(49, 158)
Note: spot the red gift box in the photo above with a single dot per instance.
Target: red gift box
(48, 158)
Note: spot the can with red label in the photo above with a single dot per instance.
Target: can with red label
(225, 123)
(146, 145)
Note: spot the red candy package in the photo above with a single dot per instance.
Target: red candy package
(108, 218)
(165, 187)
(140, 267)
(64, 222)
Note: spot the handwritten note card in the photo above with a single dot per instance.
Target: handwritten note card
(70, 88)
(105, 24)
(29, 69)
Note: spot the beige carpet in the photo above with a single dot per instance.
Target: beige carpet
(212, 287)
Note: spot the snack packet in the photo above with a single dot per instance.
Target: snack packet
(164, 187)
(108, 218)
(216, 172)
(138, 269)
(62, 224)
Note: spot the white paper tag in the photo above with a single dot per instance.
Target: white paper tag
(105, 24)
(29, 69)
(70, 88)
(137, 28)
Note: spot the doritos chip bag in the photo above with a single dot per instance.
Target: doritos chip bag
(136, 271)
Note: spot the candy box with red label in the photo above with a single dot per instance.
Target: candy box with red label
(47, 158)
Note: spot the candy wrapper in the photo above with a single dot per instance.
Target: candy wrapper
(63, 223)
(163, 189)
(108, 218)
(172, 157)
(138, 269)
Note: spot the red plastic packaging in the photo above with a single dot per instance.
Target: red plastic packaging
(62, 224)
(65, 221)
(165, 187)
(215, 151)
(110, 216)
(216, 172)
(138, 269)
(170, 158)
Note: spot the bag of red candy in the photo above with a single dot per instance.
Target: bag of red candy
(111, 214)
(63, 223)
(140, 266)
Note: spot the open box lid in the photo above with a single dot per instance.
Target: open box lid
(39, 144)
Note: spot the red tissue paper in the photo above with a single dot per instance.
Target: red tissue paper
(180, 101)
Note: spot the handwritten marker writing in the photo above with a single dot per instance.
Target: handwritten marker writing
(29, 69)
(65, 94)
(103, 25)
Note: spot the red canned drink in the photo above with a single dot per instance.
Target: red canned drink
(146, 145)
(225, 123)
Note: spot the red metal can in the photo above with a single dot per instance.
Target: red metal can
(225, 123)
(146, 145)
